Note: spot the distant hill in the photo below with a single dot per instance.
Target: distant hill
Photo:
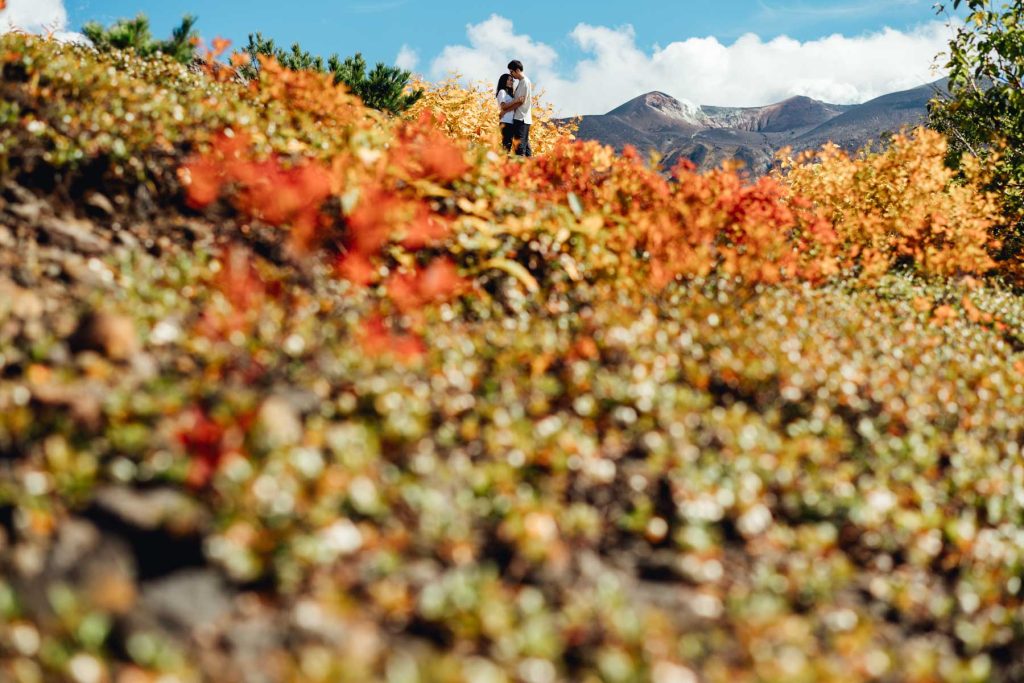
(857, 126)
(709, 136)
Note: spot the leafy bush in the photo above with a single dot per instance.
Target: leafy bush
(900, 207)
(983, 116)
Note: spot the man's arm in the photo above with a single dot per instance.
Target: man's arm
(514, 104)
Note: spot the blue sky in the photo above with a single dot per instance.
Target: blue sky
(379, 28)
(587, 57)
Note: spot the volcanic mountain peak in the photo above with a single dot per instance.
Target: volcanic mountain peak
(670, 106)
(794, 113)
(665, 105)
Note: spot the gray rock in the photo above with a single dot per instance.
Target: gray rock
(185, 602)
(252, 641)
(76, 539)
(73, 233)
(98, 568)
(151, 509)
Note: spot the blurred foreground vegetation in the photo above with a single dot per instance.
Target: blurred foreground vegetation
(291, 389)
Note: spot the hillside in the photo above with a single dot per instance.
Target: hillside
(709, 136)
(291, 390)
(871, 120)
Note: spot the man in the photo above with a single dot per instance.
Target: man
(523, 117)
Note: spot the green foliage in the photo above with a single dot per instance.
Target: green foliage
(984, 113)
(296, 59)
(384, 87)
(135, 34)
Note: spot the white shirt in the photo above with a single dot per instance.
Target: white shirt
(524, 90)
(505, 98)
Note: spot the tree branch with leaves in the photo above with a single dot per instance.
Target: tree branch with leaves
(983, 114)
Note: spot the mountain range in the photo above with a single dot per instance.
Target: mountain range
(709, 136)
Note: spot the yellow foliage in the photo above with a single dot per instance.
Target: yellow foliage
(899, 206)
(471, 114)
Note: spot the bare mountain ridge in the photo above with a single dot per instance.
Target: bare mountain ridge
(709, 136)
(793, 114)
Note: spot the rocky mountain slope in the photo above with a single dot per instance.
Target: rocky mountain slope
(709, 136)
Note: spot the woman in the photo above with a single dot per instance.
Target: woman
(504, 97)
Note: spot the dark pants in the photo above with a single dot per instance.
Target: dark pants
(521, 132)
(507, 130)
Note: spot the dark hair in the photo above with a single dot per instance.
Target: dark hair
(515, 65)
(504, 83)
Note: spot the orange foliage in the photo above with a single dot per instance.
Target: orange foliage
(900, 206)
(419, 186)
(219, 46)
(243, 292)
(267, 190)
(427, 153)
(357, 268)
(688, 226)
(436, 283)
(379, 339)
(314, 95)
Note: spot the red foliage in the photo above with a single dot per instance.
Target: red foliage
(378, 339)
(267, 190)
(423, 151)
(381, 216)
(436, 283)
(654, 227)
(203, 440)
(203, 180)
(377, 215)
(243, 289)
(424, 230)
(357, 268)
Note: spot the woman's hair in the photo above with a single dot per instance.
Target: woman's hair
(504, 83)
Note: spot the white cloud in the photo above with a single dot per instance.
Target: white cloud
(34, 15)
(492, 45)
(407, 58)
(39, 16)
(751, 71)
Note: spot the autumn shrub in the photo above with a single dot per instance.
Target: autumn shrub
(828, 214)
(294, 149)
(900, 206)
(685, 225)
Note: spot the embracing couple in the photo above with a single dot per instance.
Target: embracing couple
(515, 99)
